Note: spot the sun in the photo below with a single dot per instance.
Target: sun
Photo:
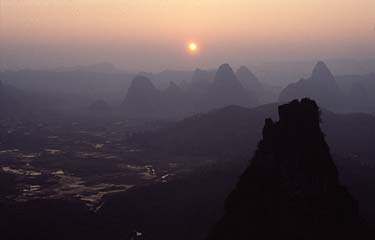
(193, 47)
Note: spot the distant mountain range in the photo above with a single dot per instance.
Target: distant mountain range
(97, 68)
(226, 90)
(321, 86)
(206, 92)
(356, 93)
(183, 93)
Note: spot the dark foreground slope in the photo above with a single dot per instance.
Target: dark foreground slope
(291, 189)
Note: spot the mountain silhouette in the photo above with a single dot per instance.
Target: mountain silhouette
(321, 86)
(142, 100)
(250, 81)
(226, 90)
(322, 75)
(76, 86)
(291, 188)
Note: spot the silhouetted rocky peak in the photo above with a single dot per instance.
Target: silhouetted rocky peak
(321, 71)
(297, 115)
(226, 81)
(141, 83)
(300, 155)
(142, 100)
(322, 75)
(321, 86)
(225, 90)
(291, 188)
(244, 73)
(225, 74)
(249, 80)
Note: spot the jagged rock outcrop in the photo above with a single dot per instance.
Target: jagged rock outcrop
(321, 86)
(291, 188)
(226, 90)
(142, 100)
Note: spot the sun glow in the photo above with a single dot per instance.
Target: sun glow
(193, 47)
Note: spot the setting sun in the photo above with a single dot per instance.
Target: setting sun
(193, 47)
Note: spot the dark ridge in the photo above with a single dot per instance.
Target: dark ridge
(291, 188)
(142, 100)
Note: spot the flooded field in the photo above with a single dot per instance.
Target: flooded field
(75, 160)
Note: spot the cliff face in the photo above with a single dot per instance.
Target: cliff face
(291, 188)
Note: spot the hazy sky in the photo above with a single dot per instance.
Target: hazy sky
(152, 34)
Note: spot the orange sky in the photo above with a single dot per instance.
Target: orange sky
(151, 34)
